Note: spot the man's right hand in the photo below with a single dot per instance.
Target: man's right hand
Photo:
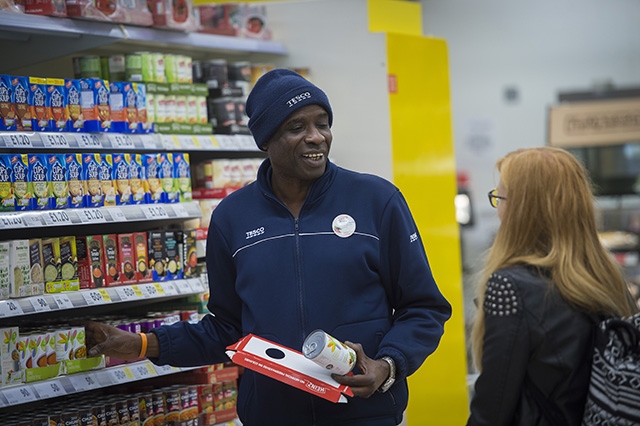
(116, 343)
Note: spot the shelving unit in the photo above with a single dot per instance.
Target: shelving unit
(39, 44)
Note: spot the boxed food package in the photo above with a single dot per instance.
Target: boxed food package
(164, 256)
(234, 20)
(46, 7)
(152, 184)
(9, 356)
(126, 259)
(22, 191)
(75, 118)
(7, 110)
(95, 10)
(52, 264)
(92, 187)
(38, 179)
(105, 175)
(21, 103)
(145, 118)
(7, 199)
(136, 178)
(182, 176)
(73, 163)
(69, 263)
(143, 273)
(36, 262)
(174, 14)
(110, 259)
(189, 256)
(90, 261)
(59, 114)
(19, 269)
(94, 102)
(58, 186)
(5, 247)
(121, 178)
(166, 176)
(40, 104)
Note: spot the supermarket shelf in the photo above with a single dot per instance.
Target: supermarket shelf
(125, 142)
(99, 215)
(46, 303)
(47, 37)
(83, 382)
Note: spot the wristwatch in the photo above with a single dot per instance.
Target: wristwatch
(392, 375)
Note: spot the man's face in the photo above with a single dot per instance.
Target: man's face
(300, 147)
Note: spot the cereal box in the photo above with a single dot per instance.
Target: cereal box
(143, 274)
(58, 186)
(19, 269)
(75, 118)
(7, 110)
(9, 355)
(38, 178)
(136, 175)
(52, 263)
(36, 263)
(92, 187)
(5, 247)
(121, 181)
(22, 191)
(153, 188)
(40, 104)
(69, 263)
(73, 163)
(182, 176)
(157, 256)
(90, 261)
(126, 259)
(105, 175)
(110, 259)
(59, 114)
(165, 164)
(21, 103)
(94, 101)
(7, 199)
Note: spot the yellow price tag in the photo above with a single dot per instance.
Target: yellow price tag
(137, 291)
(128, 373)
(159, 288)
(105, 295)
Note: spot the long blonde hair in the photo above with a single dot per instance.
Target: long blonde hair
(549, 222)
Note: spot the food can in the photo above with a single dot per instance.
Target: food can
(90, 67)
(329, 353)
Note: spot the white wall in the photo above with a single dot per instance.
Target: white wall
(332, 38)
(540, 48)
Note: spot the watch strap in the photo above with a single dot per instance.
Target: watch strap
(392, 374)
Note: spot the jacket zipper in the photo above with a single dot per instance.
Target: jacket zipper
(299, 272)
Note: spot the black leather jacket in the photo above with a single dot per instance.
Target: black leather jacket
(532, 336)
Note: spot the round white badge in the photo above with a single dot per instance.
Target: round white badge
(343, 226)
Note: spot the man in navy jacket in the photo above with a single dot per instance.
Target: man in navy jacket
(308, 245)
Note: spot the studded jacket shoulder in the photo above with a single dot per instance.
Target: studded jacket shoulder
(531, 335)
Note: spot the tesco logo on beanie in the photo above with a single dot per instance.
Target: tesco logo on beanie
(301, 97)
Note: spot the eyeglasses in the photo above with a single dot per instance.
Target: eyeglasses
(494, 198)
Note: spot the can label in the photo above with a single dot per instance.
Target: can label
(328, 352)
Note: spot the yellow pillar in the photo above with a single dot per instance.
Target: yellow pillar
(423, 167)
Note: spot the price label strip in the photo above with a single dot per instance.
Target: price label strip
(50, 389)
(169, 143)
(155, 212)
(226, 142)
(137, 291)
(207, 142)
(117, 215)
(88, 141)
(63, 301)
(196, 285)
(83, 382)
(119, 375)
(17, 140)
(91, 216)
(165, 369)
(40, 304)
(169, 289)
(54, 140)
(121, 141)
(19, 395)
(180, 210)
(10, 308)
(149, 290)
(141, 371)
(11, 221)
(56, 218)
(186, 142)
(126, 293)
(148, 142)
(95, 297)
(32, 219)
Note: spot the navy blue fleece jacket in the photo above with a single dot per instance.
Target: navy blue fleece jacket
(281, 277)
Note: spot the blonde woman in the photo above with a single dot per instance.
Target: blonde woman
(546, 278)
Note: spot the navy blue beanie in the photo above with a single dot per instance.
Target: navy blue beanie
(275, 96)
